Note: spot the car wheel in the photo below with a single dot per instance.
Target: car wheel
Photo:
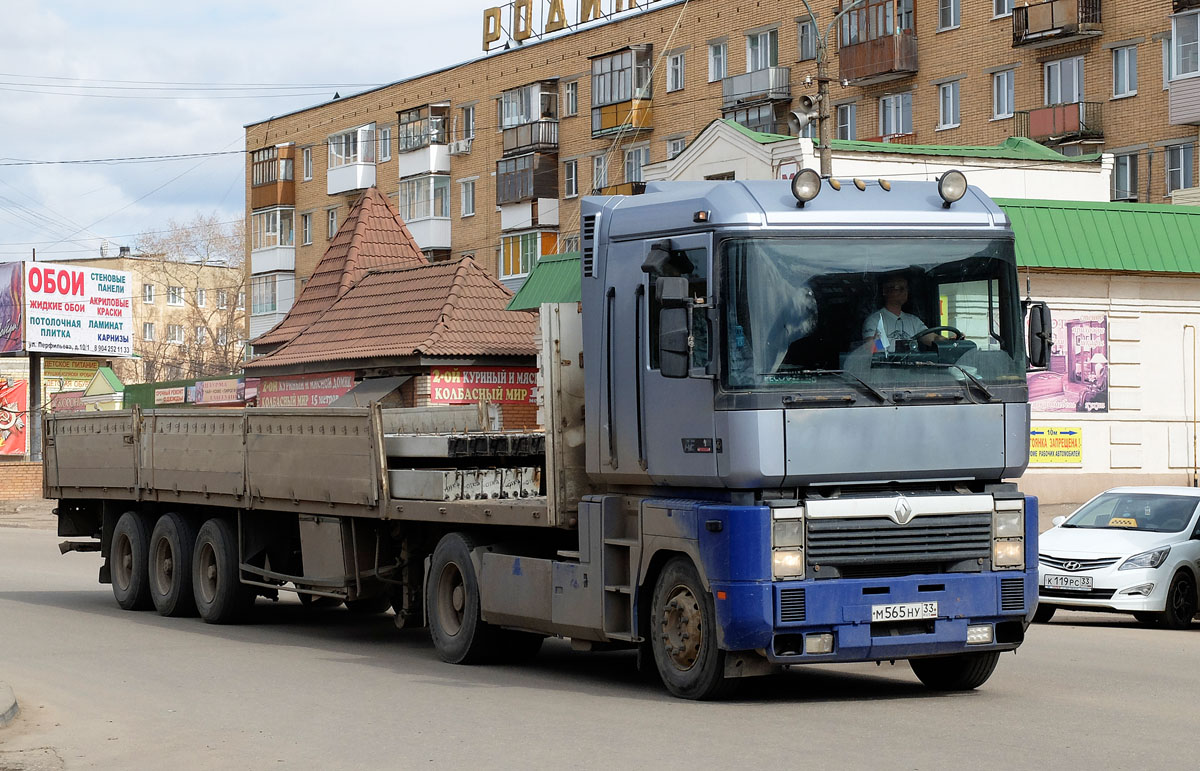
(1181, 602)
(1043, 613)
(1147, 619)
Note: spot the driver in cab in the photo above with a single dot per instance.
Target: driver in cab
(891, 324)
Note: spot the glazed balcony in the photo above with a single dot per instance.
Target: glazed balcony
(526, 177)
(1179, 6)
(271, 177)
(770, 84)
(625, 188)
(1054, 22)
(888, 57)
(1061, 122)
(540, 136)
(1183, 102)
(632, 115)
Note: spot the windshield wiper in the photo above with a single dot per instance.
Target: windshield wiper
(845, 375)
(942, 365)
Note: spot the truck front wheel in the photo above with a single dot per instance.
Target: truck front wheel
(220, 595)
(459, 634)
(127, 562)
(683, 634)
(960, 672)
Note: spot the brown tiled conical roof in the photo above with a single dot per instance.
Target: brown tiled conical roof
(372, 237)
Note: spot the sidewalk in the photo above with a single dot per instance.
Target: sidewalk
(35, 513)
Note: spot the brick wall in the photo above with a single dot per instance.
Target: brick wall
(20, 481)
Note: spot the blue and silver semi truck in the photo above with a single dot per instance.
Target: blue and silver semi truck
(781, 428)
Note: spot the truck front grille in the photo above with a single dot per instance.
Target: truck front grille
(927, 544)
(1012, 594)
(791, 606)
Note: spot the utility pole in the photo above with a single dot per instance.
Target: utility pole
(823, 82)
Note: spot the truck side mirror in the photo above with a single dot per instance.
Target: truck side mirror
(674, 327)
(1040, 335)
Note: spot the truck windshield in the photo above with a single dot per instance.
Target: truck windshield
(871, 315)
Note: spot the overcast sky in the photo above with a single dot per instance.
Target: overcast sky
(84, 80)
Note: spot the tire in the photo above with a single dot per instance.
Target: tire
(1146, 619)
(683, 634)
(170, 566)
(960, 672)
(221, 597)
(459, 634)
(1044, 613)
(127, 562)
(1181, 602)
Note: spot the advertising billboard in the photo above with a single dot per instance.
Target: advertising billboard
(11, 305)
(304, 390)
(78, 310)
(1077, 377)
(14, 417)
(468, 385)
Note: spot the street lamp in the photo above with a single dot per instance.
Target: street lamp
(823, 83)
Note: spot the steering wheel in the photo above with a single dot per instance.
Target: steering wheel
(933, 330)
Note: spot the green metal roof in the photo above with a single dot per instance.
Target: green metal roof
(1012, 149)
(554, 279)
(1082, 235)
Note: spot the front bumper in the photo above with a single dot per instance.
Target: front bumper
(774, 617)
(1108, 590)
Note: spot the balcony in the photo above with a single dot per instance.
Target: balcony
(1054, 22)
(888, 57)
(540, 136)
(1061, 123)
(771, 84)
(632, 115)
(1183, 102)
(625, 188)
(272, 182)
(1179, 6)
(430, 158)
(526, 177)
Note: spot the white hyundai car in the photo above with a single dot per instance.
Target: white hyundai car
(1130, 549)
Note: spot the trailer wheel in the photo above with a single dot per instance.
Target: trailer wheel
(170, 565)
(127, 562)
(220, 595)
(683, 634)
(459, 635)
(960, 672)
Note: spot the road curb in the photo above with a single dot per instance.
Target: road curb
(8, 705)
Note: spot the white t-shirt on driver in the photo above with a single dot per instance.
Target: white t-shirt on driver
(889, 327)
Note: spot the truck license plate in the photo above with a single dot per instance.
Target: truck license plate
(904, 611)
(1072, 583)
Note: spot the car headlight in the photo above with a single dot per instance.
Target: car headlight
(1147, 559)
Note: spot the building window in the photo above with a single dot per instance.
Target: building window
(599, 172)
(1125, 177)
(306, 154)
(716, 61)
(467, 204)
(385, 143)
(222, 299)
(616, 79)
(847, 116)
(148, 293)
(201, 335)
(571, 98)
(635, 159)
(271, 228)
(895, 114)
(762, 50)
(1168, 67)
(1002, 8)
(1002, 94)
(468, 122)
(1064, 81)
(675, 73)
(949, 14)
(262, 296)
(148, 331)
(201, 298)
(675, 147)
(1179, 167)
(519, 252)
(568, 243)
(570, 179)
(354, 146)
(175, 334)
(948, 105)
(770, 118)
(1125, 71)
(421, 198)
(222, 337)
(535, 101)
(174, 295)
(241, 303)
(1185, 37)
(807, 39)
(306, 228)
(875, 21)
(331, 223)
(421, 127)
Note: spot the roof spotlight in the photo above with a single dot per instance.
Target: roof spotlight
(805, 186)
(952, 186)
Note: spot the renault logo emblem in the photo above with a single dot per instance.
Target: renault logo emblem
(902, 513)
(1071, 565)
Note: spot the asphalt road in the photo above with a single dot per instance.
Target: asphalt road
(105, 688)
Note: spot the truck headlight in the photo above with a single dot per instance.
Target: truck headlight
(1008, 524)
(788, 533)
(1008, 553)
(787, 563)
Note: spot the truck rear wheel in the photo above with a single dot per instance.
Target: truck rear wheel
(127, 562)
(220, 595)
(960, 672)
(459, 634)
(683, 634)
(171, 545)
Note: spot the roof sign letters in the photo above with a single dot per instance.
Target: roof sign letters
(527, 18)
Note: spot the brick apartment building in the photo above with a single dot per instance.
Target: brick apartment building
(488, 158)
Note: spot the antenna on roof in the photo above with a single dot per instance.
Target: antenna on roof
(337, 95)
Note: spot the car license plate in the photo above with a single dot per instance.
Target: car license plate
(904, 611)
(1070, 583)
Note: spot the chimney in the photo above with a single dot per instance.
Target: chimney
(124, 252)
